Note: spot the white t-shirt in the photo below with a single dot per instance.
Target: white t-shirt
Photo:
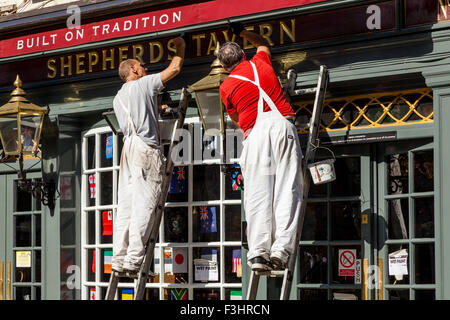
(141, 99)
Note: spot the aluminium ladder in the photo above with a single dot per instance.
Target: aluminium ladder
(311, 144)
(144, 271)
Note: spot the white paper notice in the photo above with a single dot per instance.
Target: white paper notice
(23, 259)
(206, 270)
(398, 263)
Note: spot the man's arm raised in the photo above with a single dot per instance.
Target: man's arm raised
(175, 65)
(256, 40)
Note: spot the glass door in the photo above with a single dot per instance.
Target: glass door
(335, 240)
(23, 235)
(406, 221)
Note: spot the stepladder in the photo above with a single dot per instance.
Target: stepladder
(141, 278)
(311, 144)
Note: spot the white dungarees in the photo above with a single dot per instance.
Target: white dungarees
(271, 167)
(139, 188)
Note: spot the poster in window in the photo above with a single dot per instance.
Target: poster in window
(107, 261)
(208, 219)
(107, 219)
(178, 294)
(178, 180)
(109, 146)
(92, 186)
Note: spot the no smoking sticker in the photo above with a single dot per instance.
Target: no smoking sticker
(347, 259)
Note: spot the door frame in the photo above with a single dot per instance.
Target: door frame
(3, 261)
(10, 235)
(382, 213)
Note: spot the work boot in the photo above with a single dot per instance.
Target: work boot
(277, 263)
(260, 264)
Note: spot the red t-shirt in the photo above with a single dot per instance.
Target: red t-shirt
(242, 96)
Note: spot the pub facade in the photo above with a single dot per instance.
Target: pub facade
(375, 233)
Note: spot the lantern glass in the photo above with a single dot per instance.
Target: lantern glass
(30, 132)
(9, 134)
(211, 109)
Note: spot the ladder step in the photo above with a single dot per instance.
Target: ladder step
(131, 275)
(305, 91)
(273, 273)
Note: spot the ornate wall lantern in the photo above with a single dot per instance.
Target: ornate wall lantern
(21, 124)
(206, 92)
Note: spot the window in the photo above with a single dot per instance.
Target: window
(198, 252)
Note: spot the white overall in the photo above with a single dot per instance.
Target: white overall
(271, 167)
(139, 188)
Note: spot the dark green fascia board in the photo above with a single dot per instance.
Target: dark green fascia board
(315, 7)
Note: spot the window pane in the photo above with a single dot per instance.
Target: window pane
(37, 229)
(398, 219)
(206, 223)
(206, 266)
(346, 294)
(91, 268)
(178, 189)
(399, 279)
(106, 229)
(424, 219)
(176, 294)
(23, 230)
(336, 278)
(424, 263)
(313, 294)
(23, 199)
(91, 190)
(37, 266)
(176, 224)
(106, 150)
(425, 295)
(348, 183)
(315, 223)
(233, 183)
(23, 293)
(233, 264)
(38, 197)
(107, 188)
(67, 228)
(313, 264)
(423, 171)
(90, 215)
(151, 294)
(206, 182)
(345, 221)
(398, 294)
(23, 268)
(105, 263)
(91, 152)
(232, 223)
(206, 294)
(397, 172)
(233, 294)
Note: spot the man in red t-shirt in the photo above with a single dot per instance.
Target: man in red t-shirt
(271, 156)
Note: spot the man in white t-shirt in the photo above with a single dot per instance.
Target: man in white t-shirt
(142, 161)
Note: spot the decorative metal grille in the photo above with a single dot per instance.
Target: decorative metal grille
(371, 110)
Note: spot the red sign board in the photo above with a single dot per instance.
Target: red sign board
(347, 259)
(140, 24)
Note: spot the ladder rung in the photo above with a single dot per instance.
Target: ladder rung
(273, 273)
(131, 275)
(305, 91)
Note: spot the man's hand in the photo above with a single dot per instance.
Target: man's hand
(236, 28)
(179, 42)
(162, 108)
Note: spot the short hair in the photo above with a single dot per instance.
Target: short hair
(230, 55)
(124, 68)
